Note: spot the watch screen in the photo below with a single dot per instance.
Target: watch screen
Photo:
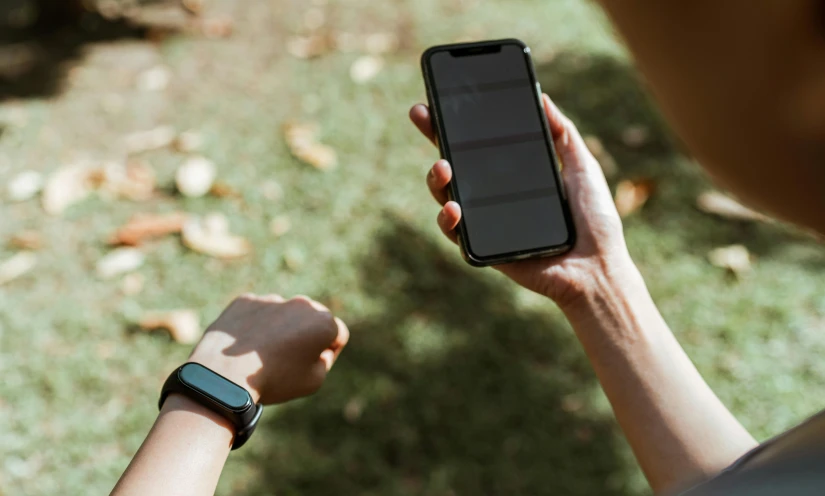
(222, 390)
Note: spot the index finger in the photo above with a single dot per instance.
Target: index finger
(420, 115)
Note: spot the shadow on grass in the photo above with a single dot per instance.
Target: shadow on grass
(604, 96)
(448, 389)
(35, 59)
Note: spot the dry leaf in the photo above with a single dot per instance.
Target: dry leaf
(635, 136)
(24, 186)
(134, 181)
(188, 141)
(159, 137)
(716, 203)
(222, 190)
(381, 43)
(194, 7)
(26, 240)
(314, 19)
(132, 284)
(606, 161)
(155, 79)
(16, 266)
(302, 142)
(280, 225)
(69, 185)
(142, 227)
(365, 68)
(195, 177)
(211, 236)
(307, 47)
(119, 261)
(217, 27)
(735, 258)
(631, 195)
(184, 326)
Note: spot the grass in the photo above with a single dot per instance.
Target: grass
(455, 381)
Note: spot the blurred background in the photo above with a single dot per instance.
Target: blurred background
(159, 158)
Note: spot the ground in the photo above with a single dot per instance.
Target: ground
(455, 381)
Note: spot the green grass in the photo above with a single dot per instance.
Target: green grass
(464, 383)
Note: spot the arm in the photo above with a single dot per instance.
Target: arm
(276, 349)
(677, 427)
(742, 84)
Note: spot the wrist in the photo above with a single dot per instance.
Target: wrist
(616, 282)
(209, 353)
(178, 405)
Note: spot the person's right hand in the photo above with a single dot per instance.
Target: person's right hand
(600, 248)
(276, 349)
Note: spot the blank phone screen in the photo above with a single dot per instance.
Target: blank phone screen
(502, 163)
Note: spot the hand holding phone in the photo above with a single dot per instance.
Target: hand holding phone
(600, 246)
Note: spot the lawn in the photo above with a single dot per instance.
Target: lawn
(455, 381)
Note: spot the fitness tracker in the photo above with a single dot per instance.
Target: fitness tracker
(217, 393)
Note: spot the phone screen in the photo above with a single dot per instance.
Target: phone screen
(503, 167)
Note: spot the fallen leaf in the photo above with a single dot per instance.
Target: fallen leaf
(195, 177)
(194, 7)
(222, 190)
(314, 19)
(24, 186)
(26, 240)
(381, 43)
(280, 225)
(211, 236)
(16, 266)
(132, 284)
(188, 141)
(302, 142)
(155, 79)
(308, 47)
(365, 68)
(602, 156)
(68, 185)
(142, 227)
(119, 261)
(217, 27)
(152, 139)
(184, 325)
(635, 136)
(134, 180)
(735, 258)
(716, 203)
(631, 195)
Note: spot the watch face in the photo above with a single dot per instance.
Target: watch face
(216, 387)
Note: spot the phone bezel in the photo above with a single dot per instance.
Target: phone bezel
(435, 115)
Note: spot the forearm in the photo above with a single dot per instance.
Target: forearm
(679, 430)
(183, 454)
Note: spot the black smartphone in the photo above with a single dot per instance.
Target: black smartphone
(488, 116)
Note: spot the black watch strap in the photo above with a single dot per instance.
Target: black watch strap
(217, 393)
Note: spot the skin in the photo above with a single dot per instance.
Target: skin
(276, 349)
(742, 83)
(679, 430)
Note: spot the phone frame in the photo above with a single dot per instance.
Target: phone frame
(435, 116)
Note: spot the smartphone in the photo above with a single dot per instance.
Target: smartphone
(490, 125)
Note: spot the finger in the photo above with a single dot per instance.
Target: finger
(437, 179)
(448, 219)
(306, 300)
(341, 339)
(328, 357)
(420, 115)
(274, 298)
(565, 133)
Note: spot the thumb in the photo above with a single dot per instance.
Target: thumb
(569, 143)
